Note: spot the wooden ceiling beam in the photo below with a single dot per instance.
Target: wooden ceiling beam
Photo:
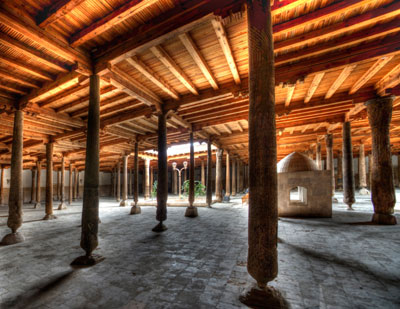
(13, 88)
(379, 64)
(390, 80)
(198, 58)
(389, 11)
(226, 48)
(56, 11)
(128, 9)
(339, 81)
(313, 87)
(289, 95)
(12, 76)
(152, 76)
(33, 53)
(26, 68)
(64, 95)
(127, 116)
(171, 65)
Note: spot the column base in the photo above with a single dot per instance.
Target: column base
(191, 212)
(124, 203)
(12, 238)
(135, 210)
(268, 297)
(50, 217)
(384, 219)
(159, 228)
(364, 191)
(335, 200)
(86, 261)
(62, 206)
(37, 206)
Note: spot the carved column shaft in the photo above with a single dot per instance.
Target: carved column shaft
(348, 176)
(218, 176)
(228, 176)
(209, 175)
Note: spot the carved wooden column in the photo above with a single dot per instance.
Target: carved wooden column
(203, 174)
(57, 198)
(130, 183)
(15, 199)
(191, 211)
(329, 161)
(369, 170)
(228, 176)
(38, 188)
(218, 175)
(262, 262)
(70, 184)
(348, 177)
(151, 179)
(33, 170)
(77, 184)
(118, 181)
(90, 207)
(62, 184)
(234, 182)
(382, 188)
(124, 201)
(362, 171)
(175, 182)
(318, 156)
(49, 182)
(209, 174)
(162, 184)
(146, 179)
(340, 171)
(135, 208)
(1, 184)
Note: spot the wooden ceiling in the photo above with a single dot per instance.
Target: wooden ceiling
(190, 58)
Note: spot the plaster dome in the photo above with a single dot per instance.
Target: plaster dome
(296, 162)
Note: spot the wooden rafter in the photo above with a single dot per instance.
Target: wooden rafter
(55, 11)
(390, 80)
(289, 95)
(313, 87)
(339, 81)
(226, 48)
(26, 68)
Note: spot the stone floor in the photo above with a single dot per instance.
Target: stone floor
(201, 262)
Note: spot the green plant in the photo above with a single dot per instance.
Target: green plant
(199, 188)
(154, 189)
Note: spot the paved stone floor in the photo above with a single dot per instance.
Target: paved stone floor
(199, 263)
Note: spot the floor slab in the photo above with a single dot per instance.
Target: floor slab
(199, 262)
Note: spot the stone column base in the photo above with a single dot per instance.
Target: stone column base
(37, 206)
(62, 206)
(86, 261)
(135, 210)
(364, 191)
(124, 203)
(267, 297)
(159, 228)
(384, 219)
(49, 217)
(12, 238)
(191, 212)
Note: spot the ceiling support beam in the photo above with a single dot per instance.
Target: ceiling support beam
(55, 11)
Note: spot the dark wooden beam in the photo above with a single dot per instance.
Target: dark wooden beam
(55, 11)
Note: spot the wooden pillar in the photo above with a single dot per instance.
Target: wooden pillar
(38, 188)
(318, 156)
(191, 211)
(90, 207)
(162, 184)
(33, 191)
(1, 184)
(203, 174)
(262, 262)
(119, 181)
(234, 183)
(57, 197)
(362, 171)
(228, 177)
(329, 159)
(62, 186)
(348, 177)
(130, 182)
(15, 199)
(239, 187)
(124, 201)
(70, 185)
(209, 174)
(218, 175)
(75, 182)
(340, 171)
(135, 208)
(146, 179)
(175, 181)
(151, 179)
(49, 182)
(382, 188)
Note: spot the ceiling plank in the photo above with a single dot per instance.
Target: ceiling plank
(379, 64)
(313, 87)
(55, 11)
(27, 68)
(339, 81)
(223, 41)
(117, 16)
(194, 52)
(12, 76)
(152, 76)
(171, 65)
